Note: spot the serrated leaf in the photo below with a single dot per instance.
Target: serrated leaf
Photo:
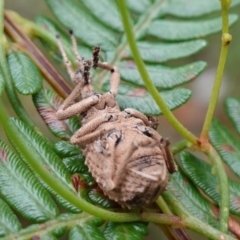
(138, 98)
(110, 18)
(90, 31)
(47, 103)
(25, 75)
(52, 28)
(22, 190)
(163, 77)
(233, 110)
(72, 157)
(226, 144)
(41, 151)
(87, 230)
(185, 29)
(183, 189)
(96, 197)
(162, 52)
(125, 231)
(138, 6)
(201, 174)
(8, 220)
(67, 149)
(46, 236)
(2, 83)
(195, 8)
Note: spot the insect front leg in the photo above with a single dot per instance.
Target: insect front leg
(67, 111)
(164, 144)
(85, 134)
(130, 112)
(115, 75)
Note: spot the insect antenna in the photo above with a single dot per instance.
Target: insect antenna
(67, 63)
(75, 51)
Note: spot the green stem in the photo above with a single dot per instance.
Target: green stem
(185, 220)
(179, 146)
(139, 29)
(223, 187)
(163, 206)
(146, 78)
(11, 93)
(33, 30)
(226, 39)
(63, 191)
(193, 222)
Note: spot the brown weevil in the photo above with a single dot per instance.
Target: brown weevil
(127, 157)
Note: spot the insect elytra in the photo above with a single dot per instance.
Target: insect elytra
(126, 156)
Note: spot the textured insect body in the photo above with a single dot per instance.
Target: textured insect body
(126, 156)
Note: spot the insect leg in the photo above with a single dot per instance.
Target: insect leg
(75, 50)
(69, 110)
(124, 158)
(67, 63)
(130, 112)
(115, 75)
(85, 133)
(164, 144)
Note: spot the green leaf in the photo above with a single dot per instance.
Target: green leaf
(47, 236)
(184, 190)
(8, 220)
(233, 110)
(195, 8)
(90, 31)
(162, 52)
(25, 74)
(110, 18)
(95, 196)
(22, 190)
(87, 229)
(41, 151)
(138, 6)
(163, 77)
(185, 29)
(202, 175)
(227, 145)
(49, 25)
(2, 83)
(140, 99)
(125, 231)
(47, 103)
(72, 157)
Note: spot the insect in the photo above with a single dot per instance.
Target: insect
(128, 158)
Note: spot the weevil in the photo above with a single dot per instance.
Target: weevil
(126, 156)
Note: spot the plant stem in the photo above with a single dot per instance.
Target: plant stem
(139, 29)
(193, 222)
(223, 187)
(185, 220)
(179, 146)
(226, 39)
(164, 207)
(146, 78)
(11, 93)
(18, 34)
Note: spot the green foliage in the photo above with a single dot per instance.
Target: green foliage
(125, 231)
(203, 177)
(47, 102)
(25, 193)
(184, 190)
(152, 51)
(25, 75)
